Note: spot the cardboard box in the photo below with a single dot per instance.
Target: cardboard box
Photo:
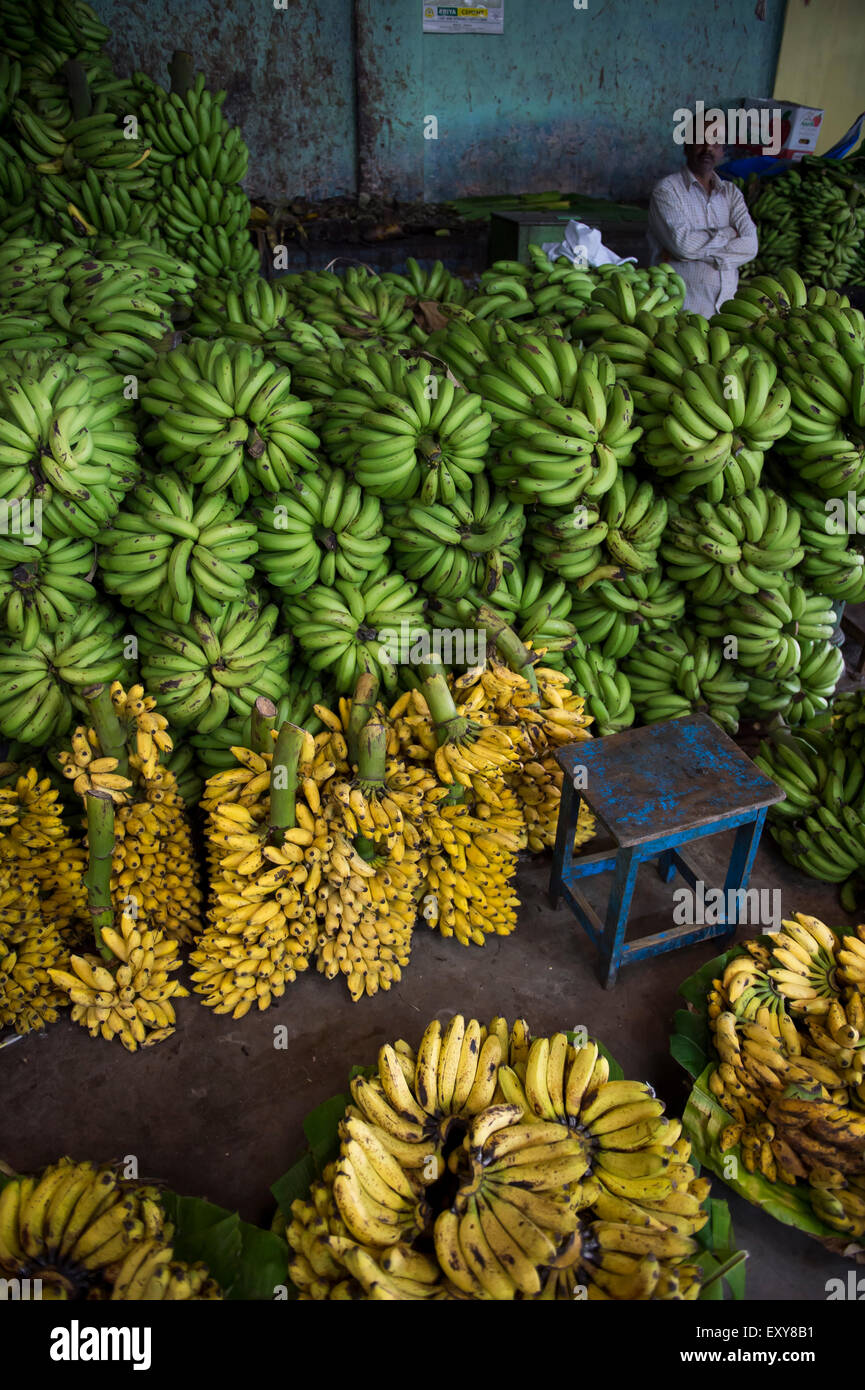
(800, 126)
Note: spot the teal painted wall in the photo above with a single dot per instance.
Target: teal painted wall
(574, 99)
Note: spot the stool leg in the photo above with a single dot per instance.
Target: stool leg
(666, 865)
(569, 808)
(742, 859)
(621, 893)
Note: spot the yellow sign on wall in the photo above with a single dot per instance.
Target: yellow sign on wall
(464, 19)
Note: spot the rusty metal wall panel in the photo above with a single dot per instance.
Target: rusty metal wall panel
(289, 74)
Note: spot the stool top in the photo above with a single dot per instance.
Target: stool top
(674, 775)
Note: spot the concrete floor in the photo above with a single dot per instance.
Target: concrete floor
(217, 1111)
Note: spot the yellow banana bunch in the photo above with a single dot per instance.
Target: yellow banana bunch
(130, 997)
(124, 755)
(32, 831)
(468, 868)
(789, 1014)
(87, 1234)
(560, 1179)
(30, 944)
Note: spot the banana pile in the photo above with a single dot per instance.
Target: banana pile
(41, 899)
(820, 826)
(811, 217)
(359, 304)
(787, 1021)
(452, 549)
(87, 1233)
(491, 1165)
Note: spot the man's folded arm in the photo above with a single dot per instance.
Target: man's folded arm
(668, 223)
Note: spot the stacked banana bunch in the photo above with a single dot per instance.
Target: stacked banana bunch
(210, 668)
(735, 548)
(323, 528)
(610, 616)
(200, 161)
(710, 411)
(348, 628)
(358, 304)
(66, 442)
(174, 549)
(42, 688)
(673, 673)
(813, 218)
(525, 296)
(87, 1233)
(153, 864)
(778, 234)
(603, 685)
(43, 586)
(564, 424)
(450, 550)
(820, 827)
(787, 1020)
(41, 896)
(560, 1183)
(616, 536)
(830, 564)
(226, 419)
(406, 433)
(435, 284)
(530, 600)
(254, 311)
(782, 645)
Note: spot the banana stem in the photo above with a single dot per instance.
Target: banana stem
(429, 447)
(262, 721)
(514, 651)
(181, 72)
(371, 755)
(362, 706)
(450, 725)
(283, 781)
(109, 730)
(97, 880)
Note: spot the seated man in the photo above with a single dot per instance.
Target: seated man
(700, 224)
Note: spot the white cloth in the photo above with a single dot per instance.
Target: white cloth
(705, 237)
(582, 246)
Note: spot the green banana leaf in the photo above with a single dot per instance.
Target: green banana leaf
(722, 1264)
(705, 1117)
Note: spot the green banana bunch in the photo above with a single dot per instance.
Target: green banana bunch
(226, 418)
(504, 292)
(739, 546)
(437, 283)
(802, 693)
(635, 517)
(760, 300)
(348, 629)
(568, 543)
(465, 345)
(170, 551)
(623, 296)
(611, 616)
(40, 689)
(357, 304)
(674, 673)
(184, 209)
(564, 423)
(249, 311)
(68, 451)
(604, 686)
(423, 438)
(811, 218)
(111, 206)
(192, 125)
(205, 670)
(452, 549)
(16, 178)
(770, 627)
(772, 205)
(43, 586)
(532, 602)
(322, 528)
(830, 565)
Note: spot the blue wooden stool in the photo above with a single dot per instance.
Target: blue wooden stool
(654, 789)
